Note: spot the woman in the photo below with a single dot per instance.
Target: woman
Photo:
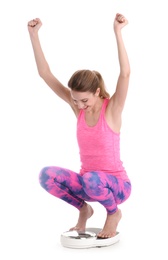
(102, 176)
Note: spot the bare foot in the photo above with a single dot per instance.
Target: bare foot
(85, 212)
(110, 226)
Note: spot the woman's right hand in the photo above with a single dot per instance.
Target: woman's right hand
(34, 25)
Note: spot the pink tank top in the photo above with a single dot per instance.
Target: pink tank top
(99, 146)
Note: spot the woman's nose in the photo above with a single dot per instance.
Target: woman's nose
(80, 105)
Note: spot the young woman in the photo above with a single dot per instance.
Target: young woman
(102, 176)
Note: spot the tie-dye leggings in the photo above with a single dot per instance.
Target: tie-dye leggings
(92, 186)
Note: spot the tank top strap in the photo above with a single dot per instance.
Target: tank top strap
(105, 103)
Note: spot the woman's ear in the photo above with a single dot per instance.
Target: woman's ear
(97, 92)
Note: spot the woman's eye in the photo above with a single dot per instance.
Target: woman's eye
(84, 101)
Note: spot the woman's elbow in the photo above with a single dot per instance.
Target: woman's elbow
(44, 73)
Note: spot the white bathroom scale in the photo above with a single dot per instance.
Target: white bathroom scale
(87, 239)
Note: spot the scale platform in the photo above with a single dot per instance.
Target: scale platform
(87, 239)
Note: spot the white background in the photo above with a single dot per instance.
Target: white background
(37, 129)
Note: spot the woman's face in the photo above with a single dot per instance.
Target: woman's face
(84, 100)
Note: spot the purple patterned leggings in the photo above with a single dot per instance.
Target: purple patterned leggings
(92, 186)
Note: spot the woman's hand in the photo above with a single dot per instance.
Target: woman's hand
(119, 22)
(34, 25)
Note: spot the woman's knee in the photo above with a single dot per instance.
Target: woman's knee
(43, 177)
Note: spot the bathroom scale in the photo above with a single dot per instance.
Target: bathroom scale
(86, 239)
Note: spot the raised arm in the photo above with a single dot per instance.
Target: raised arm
(117, 101)
(42, 65)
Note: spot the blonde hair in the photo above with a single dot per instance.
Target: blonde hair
(87, 80)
